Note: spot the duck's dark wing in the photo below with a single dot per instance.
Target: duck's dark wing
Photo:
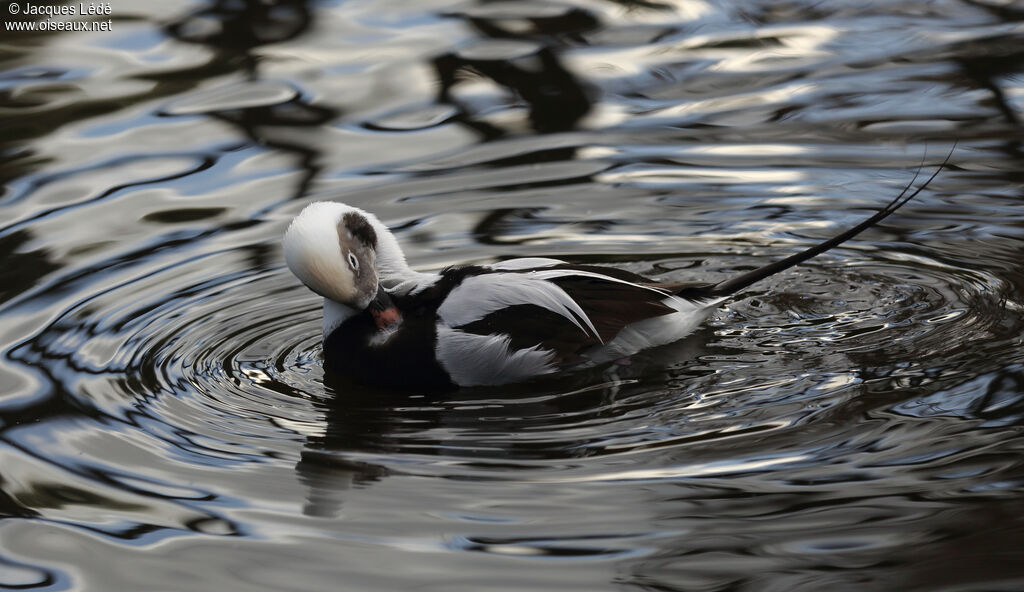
(612, 304)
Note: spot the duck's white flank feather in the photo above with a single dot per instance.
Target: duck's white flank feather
(480, 360)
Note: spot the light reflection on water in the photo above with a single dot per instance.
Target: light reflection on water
(853, 423)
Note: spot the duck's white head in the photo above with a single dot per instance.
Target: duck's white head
(332, 248)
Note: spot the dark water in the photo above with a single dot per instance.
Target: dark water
(851, 424)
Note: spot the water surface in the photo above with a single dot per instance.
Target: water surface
(851, 424)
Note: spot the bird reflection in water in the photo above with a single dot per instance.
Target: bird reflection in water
(481, 426)
(356, 421)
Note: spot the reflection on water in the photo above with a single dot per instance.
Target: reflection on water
(853, 423)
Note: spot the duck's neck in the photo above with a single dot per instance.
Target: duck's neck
(335, 314)
(395, 274)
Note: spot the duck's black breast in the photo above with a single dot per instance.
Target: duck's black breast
(403, 358)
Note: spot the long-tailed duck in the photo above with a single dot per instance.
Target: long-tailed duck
(388, 325)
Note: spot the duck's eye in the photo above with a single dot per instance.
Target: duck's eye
(353, 262)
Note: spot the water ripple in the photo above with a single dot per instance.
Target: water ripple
(853, 423)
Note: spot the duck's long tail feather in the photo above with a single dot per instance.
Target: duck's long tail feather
(735, 284)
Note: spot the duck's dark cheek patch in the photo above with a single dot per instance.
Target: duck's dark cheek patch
(360, 228)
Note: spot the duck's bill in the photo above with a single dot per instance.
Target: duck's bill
(385, 313)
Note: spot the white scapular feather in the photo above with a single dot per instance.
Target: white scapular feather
(546, 274)
(525, 263)
(478, 296)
